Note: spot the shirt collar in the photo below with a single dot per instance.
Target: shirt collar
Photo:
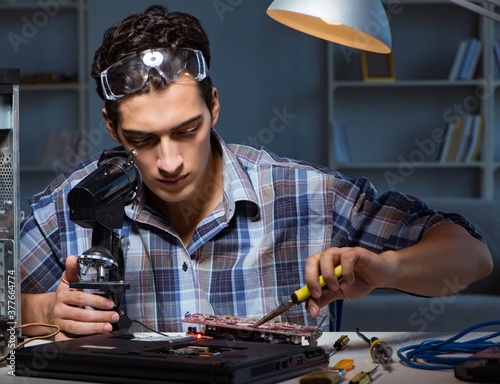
(237, 184)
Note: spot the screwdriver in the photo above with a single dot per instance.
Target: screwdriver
(363, 377)
(299, 296)
(380, 350)
(330, 375)
(340, 344)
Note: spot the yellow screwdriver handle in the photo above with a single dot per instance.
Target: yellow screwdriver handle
(345, 364)
(302, 294)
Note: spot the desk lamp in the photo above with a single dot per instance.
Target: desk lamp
(360, 24)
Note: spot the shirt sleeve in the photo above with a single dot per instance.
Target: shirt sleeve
(41, 262)
(387, 222)
(48, 235)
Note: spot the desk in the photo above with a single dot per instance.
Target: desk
(357, 349)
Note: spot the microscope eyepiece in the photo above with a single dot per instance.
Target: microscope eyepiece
(101, 196)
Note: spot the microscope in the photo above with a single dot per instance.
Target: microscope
(98, 202)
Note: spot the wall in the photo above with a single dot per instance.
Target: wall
(261, 68)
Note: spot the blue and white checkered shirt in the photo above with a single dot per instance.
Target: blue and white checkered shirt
(247, 256)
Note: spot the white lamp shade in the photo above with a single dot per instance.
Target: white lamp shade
(361, 24)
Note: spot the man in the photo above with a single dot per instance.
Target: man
(218, 228)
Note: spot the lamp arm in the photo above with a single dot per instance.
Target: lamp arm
(478, 9)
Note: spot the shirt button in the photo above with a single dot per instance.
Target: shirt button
(184, 267)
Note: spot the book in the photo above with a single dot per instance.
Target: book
(457, 62)
(448, 136)
(470, 59)
(466, 137)
(475, 60)
(456, 140)
(496, 50)
(474, 148)
(340, 143)
(453, 140)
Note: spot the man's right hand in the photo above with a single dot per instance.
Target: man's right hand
(66, 307)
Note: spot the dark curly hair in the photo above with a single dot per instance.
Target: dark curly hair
(156, 27)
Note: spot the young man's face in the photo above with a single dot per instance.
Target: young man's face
(170, 131)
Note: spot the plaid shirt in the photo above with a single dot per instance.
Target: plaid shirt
(245, 257)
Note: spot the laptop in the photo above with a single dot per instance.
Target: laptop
(127, 358)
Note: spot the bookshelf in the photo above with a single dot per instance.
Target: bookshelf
(47, 41)
(393, 127)
(494, 136)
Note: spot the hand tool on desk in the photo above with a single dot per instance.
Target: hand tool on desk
(380, 350)
(340, 344)
(364, 377)
(330, 375)
(298, 297)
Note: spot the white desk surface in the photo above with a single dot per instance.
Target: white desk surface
(357, 349)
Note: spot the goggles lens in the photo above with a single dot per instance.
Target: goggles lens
(131, 74)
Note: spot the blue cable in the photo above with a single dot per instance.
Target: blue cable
(429, 354)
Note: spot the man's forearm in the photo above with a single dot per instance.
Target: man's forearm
(445, 261)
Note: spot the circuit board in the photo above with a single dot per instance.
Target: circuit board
(243, 328)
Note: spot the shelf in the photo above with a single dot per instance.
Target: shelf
(395, 129)
(48, 42)
(51, 87)
(408, 83)
(29, 168)
(423, 165)
(31, 5)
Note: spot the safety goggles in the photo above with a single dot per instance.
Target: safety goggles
(131, 74)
